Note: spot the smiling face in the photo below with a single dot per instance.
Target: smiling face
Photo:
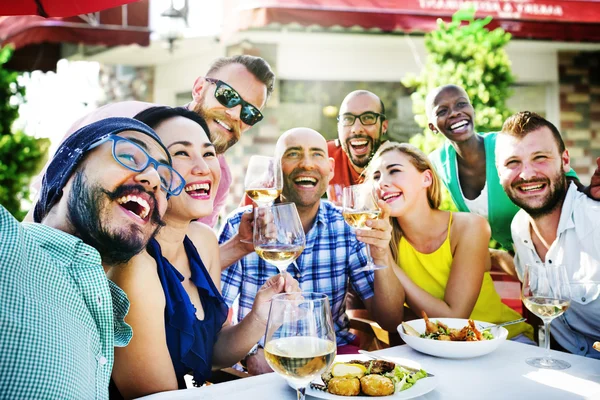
(224, 123)
(399, 183)
(360, 141)
(305, 165)
(532, 170)
(450, 112)
(112, 208)
(194, 157)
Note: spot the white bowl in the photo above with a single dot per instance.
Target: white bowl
(445, 349)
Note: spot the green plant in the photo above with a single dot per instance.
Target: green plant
(21, 156)
(465, 53)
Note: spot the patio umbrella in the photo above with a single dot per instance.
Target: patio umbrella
(57, 8)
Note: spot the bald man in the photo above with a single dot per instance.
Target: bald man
(361, 126)
(332, 255)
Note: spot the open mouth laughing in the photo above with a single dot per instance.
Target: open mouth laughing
(138, 205)
(360, 145)
(530, 188)
(306, 181)
(198, 190)
(460, 126)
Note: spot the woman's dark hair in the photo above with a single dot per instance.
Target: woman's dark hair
(153, 116)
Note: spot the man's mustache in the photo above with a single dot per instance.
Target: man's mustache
(125, 190)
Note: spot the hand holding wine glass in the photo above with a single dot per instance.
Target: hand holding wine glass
(359, 206)
(300, 339)
(546, 293)
(278, 234)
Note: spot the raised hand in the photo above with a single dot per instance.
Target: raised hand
(593, 191)
(280, 283)
(380, 234)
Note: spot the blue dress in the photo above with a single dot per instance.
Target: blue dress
(190, 341)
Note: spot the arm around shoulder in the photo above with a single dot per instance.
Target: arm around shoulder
(144, 366)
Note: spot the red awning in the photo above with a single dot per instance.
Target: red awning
(37, 40)
(565, 20)
(57, 8)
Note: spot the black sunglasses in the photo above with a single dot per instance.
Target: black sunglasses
(366, 118)
(229, 97)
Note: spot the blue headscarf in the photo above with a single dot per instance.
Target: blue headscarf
(70, 153)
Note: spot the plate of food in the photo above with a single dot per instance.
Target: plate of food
(363, 378)
(451, 337)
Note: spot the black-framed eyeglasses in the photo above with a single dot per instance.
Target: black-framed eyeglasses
(133, 157)
(229, 97)
(366, 118)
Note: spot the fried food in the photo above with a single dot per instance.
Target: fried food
(377, 366)
(376, 385)
(344, 386)
(439, 331)
(597, 346)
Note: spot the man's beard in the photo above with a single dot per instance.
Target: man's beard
(558, 189)
(363, 161)
(221, 141)
(86, 210)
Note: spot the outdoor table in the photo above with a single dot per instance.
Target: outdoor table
(502, 374)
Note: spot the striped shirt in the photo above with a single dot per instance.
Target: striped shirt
(60, 317)
(330, 259)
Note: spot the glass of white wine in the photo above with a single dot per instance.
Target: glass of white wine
(546, 293)
(300, 340)
(264, 181)
(359, 206)
(278, 234)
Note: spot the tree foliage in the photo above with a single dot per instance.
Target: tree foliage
(21, 156)
(465, 53)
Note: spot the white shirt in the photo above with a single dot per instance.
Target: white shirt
(478, 205)
(577, 246)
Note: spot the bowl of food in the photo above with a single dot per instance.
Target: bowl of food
(363, 378)
(451, 337)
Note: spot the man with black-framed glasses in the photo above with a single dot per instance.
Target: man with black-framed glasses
(230, 97)
(361, 126)
(103, 197)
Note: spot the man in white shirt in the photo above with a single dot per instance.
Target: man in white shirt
(556, 223)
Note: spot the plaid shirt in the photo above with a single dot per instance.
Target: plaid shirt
(60, 317)
(331, 257)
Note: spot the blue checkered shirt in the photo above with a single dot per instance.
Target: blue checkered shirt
(331, 257)
(60, 317)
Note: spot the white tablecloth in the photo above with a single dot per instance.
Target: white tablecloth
(500, 375)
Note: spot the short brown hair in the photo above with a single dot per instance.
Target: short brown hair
(524, 122)
(257, 66)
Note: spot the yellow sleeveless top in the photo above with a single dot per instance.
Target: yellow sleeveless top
(432, 271)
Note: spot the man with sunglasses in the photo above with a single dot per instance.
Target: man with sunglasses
(361, 126)
(102, 199)
(229, 97)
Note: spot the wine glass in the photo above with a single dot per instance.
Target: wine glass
(278, 234)
(334, 193)
(300, 339)
(547, 294)
(359, 206)
(264, 181)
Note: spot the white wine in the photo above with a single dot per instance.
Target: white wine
(279, 255)
(546, 308)
(263, 195)
(300, 359)
(358, 219)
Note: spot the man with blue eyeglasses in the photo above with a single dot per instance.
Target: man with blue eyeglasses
(102, 198)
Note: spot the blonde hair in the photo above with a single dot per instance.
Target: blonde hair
(420, 161)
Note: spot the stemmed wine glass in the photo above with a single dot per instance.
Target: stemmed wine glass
(278, 234)
(547, 294)
(359, 206)
(300, 339)
(263, 181)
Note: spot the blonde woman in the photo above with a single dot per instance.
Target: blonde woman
(442, 257)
